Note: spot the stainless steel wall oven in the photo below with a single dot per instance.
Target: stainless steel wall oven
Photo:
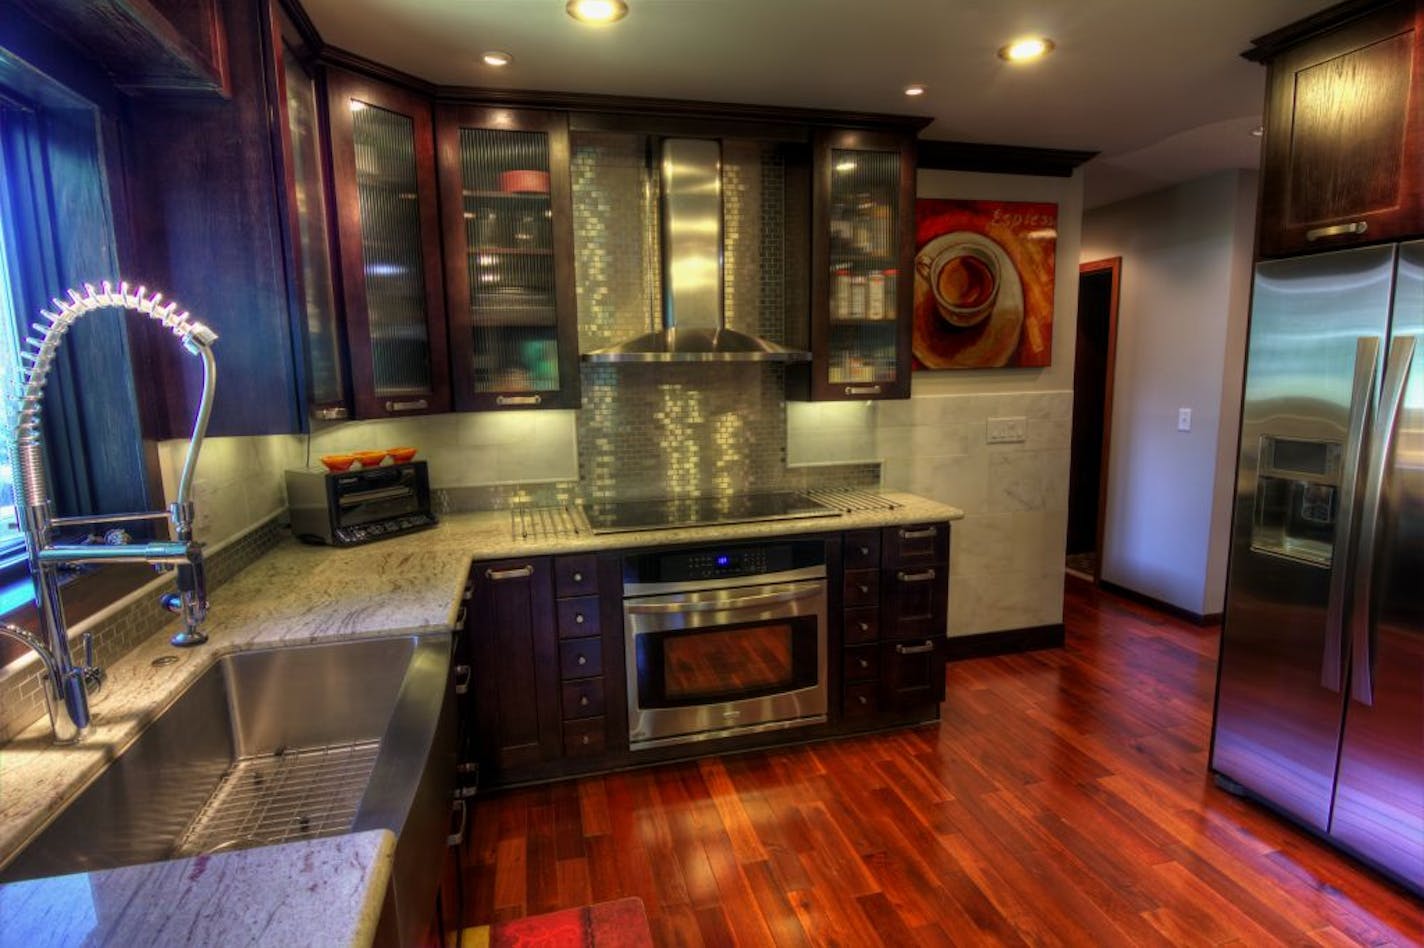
(724, 640)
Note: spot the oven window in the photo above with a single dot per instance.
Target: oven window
(684, 667)
(739, 660)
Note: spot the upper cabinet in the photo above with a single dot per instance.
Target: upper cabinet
(862, 245)
(388, 238)
(303, 188)
(1343, 158)
(507, 218)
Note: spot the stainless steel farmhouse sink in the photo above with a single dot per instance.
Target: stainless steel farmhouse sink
(276, 745)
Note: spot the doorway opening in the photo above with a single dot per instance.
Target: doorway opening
(1092, 414)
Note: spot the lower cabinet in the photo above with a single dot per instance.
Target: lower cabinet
(544, 634)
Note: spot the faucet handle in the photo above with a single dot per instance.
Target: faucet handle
(171, 601)
(94, 676)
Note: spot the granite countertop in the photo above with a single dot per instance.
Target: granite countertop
(301, 594)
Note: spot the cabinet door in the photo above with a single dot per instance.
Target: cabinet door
(862, 252)
(313, 292)
(507, 216)
(912, 674)
(383, 170)
(516, 665)
(1343, 160)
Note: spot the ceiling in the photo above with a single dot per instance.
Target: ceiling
(1156, 86)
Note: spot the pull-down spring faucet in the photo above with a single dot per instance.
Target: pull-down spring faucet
(68, 684)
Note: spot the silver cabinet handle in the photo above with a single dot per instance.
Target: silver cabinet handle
(330, 414)
(862, 389)
(1401, 360)
(864, 589)
(463, 674)
(581, 660)
(862, 699)
(578, 618)
(864, 626)
(458, 837)
(921, 534)
(1332, 660)
(416, 404)
(577, 576)
(863, 663)
(923, 576)
(865, 551)
(915, 649)
(519, 572)
(518, 399)
(583, 701)
(460, 618)
(1336, 230)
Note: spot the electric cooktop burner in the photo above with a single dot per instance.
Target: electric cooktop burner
(623, 516)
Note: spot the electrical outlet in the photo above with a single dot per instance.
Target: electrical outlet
(1184, 419)
(1007, 430)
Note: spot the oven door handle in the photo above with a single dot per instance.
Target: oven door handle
(722, 605)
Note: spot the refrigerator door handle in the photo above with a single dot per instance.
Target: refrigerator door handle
(1401, 360)
(1362, 397)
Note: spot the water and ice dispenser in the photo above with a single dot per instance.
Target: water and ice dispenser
(1297, 498)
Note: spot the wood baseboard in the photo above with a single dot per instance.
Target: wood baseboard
(1005, 642)
(1197, 618)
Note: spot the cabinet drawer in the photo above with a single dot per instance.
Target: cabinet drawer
(861, 588)
(916, 601)
(862, 625)
(861, 700)
(578, 617)
(581, 658)
(583, 699)
(861, 549)
(583, 738)
(862, 664)
(915, 543)
(912, 673)
(576, 575)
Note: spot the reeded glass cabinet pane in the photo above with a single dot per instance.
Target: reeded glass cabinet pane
(391, 248)
(510, 260)
(328, 384)
(864, 223)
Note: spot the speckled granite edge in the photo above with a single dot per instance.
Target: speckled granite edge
(317, 892)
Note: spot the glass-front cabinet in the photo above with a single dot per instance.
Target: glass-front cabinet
(383, 170)
(861, 248)
(507, 213)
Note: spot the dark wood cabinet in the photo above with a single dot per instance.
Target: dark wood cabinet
(388, 245)
(862, 252)
(516, 654)
(1343, 155)
(507, 214)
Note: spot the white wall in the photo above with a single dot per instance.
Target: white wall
(1007, 554)
(1186, 269)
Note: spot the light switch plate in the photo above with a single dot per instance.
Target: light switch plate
(1007, 430)
(1184, 419)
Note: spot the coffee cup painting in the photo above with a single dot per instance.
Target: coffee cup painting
(983, 284)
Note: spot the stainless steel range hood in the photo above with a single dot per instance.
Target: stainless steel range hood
(693, 326)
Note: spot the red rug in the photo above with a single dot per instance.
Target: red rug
(619, 924)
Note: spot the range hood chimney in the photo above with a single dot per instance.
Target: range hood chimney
(693, 321)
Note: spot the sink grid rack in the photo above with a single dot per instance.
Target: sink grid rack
(283, 797)
(850, 499)
(539, 523)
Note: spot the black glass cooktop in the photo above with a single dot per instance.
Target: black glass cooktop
(623, 516)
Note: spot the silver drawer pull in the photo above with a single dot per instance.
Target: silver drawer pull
(864, 589)
(862, 389)
(921, 577)
(463, 674)
(923, 534)
(460, 619)
(583, 701)
(863, 663)
(578, 618)
(518, 399)
(458, 837)
(519, 572)
(330, 414)
(915, 649)
(417, 404)
(864, 626)
(865, 551)
(1337, 230)
(862, 699)
(577, 576)
(581, 660)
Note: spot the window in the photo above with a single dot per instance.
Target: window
(12, 543)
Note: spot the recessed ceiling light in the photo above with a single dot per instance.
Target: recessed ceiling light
(915, 89)
(497, 58)
(1023, 50)
(597, 11)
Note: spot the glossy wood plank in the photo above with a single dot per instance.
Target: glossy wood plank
(1062, 799)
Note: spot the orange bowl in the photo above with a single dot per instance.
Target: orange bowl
(401, 455)
(370, 458)
(338, 462)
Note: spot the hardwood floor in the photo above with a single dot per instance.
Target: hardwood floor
(1063, 799)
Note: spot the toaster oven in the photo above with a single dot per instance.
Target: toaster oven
(347, 508)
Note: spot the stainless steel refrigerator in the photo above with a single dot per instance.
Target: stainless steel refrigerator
(1320, 688)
